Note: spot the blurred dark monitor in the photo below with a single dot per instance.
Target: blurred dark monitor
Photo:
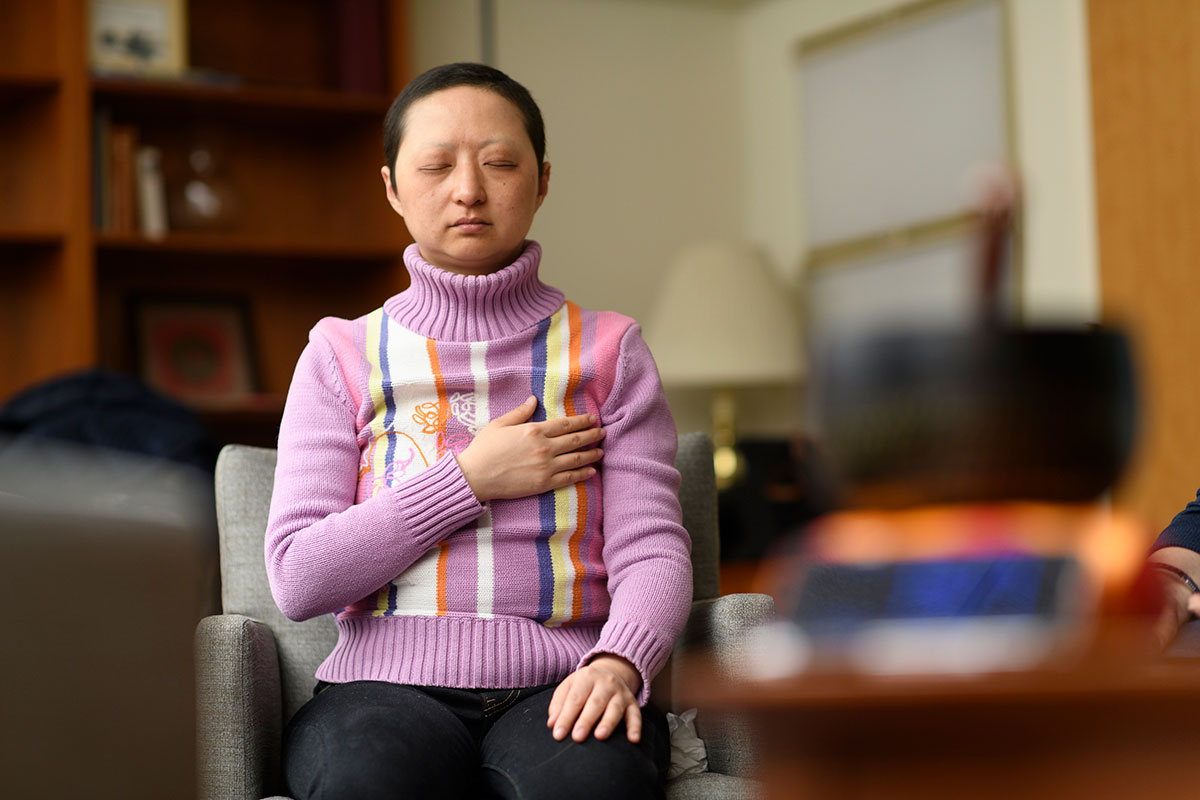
(914, 416)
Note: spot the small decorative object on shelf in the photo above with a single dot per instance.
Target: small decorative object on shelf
(145, 37)
(198, 349)
(203, 200)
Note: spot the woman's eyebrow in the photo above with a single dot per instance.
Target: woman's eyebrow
(484, 143)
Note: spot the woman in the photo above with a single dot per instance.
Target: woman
(505, 588)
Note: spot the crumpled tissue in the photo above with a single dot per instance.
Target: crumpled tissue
(688, 755)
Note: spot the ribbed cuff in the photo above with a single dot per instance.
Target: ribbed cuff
(436, 502)
(638, 645)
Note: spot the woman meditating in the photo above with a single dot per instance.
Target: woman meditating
(477, 479)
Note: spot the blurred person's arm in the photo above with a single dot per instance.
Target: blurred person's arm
(1178, 546)
(1180, 602)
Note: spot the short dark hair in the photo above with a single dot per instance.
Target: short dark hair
(462, 73)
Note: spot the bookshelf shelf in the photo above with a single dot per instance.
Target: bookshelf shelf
(247, 246)
(12, 237)
(16, 87)
(254, 420)
(235, 100)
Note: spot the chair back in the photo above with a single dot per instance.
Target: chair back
(244, 480)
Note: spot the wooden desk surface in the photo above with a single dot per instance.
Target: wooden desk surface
(1106, 725)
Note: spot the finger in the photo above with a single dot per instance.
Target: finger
(570, 477)
(561, 426)
(1164, 628)
(579, 440)
(576, 459)
(633, 722)
(593, 710)
(1168, 622)
(1193, 604)
(569, 714)
(519, 414)
(613, 714)
(557, 700)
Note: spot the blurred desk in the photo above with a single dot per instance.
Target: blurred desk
(1101, 728)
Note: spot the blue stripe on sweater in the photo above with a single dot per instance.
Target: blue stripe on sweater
(545, 499)
(389, 397)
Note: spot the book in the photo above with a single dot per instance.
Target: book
(122, 192)
(101, 128)
(151, 192)
(360, 42)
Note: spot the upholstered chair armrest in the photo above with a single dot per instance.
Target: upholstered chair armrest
(717, 631)
(719, 627)
(239, 717)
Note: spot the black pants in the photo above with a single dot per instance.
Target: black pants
(369, 739)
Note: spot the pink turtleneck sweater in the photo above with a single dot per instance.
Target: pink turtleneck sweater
(372, 519)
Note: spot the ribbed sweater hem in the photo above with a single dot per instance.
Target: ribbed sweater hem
(464, 652)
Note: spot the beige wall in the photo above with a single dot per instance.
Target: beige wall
(670, 120)
(644, 151)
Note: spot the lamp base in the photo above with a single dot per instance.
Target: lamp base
(728, 462)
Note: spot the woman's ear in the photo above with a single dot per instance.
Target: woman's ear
(543, 184)
(393, 201)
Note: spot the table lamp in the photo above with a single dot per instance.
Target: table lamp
(723, 321)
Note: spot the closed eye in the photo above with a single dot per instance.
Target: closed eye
(435, 167)
(501, 164)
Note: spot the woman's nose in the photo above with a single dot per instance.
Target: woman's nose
(468, 186)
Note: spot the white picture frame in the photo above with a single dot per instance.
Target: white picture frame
(139, 37)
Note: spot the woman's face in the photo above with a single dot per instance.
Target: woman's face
(467, 181)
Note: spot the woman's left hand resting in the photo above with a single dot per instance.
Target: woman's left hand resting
(597, 695)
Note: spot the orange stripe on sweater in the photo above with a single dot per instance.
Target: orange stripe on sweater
(574, 378)
(443, 418)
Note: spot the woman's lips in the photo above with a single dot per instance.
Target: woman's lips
(470, 225)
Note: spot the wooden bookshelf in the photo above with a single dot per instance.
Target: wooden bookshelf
(305, 230)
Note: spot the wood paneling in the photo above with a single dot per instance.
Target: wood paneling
(1145, 70)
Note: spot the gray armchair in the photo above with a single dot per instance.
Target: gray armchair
(255, 667)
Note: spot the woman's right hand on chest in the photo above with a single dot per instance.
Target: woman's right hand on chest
(512, 457)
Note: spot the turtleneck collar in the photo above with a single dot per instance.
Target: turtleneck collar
(473, 308)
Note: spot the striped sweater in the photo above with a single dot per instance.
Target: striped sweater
(372, 519)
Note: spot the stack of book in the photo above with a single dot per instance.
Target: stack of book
(129, 195)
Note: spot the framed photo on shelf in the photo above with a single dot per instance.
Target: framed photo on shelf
(142, 37)
(196, 349)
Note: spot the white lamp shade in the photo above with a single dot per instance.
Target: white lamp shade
(724, 319)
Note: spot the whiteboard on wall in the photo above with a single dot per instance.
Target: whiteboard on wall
(895, 119)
